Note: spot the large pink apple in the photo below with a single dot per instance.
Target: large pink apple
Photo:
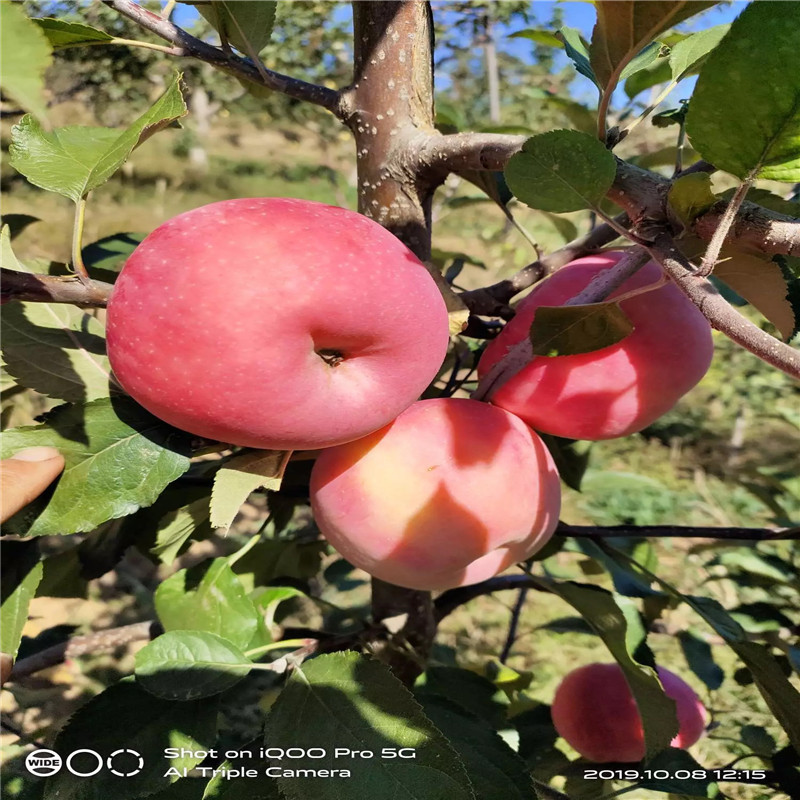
(595, 712)
(619, 389)
(274, 323)
(450, 493)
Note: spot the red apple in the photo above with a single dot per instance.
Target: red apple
(594, 711)
(450, 493)
(274, 323)
(619, 389)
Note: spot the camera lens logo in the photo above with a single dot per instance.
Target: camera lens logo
(43, 763)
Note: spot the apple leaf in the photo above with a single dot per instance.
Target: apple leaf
(189, 665)
(688, 55)
(765, 198)
(626, 27)
(176, 527)
(578, 52)
(125, 717)
(642, 60)
(21, 574)
(118, 459)
(241, 476)
(570, 330)
(700, 658)
(346, 700)
(16, 224)
(538, 35)
(691, 196)
(494, 769)
(671, 761)
(106, 257)
(759, 132)
(216, 603)
(74, 160)
(70, 34)
(247, 26)
(651, 75)
(25, 54)
(56, 349)
(561, 171)
(617, 621)
(765, 285)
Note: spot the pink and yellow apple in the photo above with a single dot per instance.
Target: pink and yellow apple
(274, 323)
(450, 493)
(595, 712)
(616, 390)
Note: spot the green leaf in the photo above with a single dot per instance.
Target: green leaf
(539, 36)
(247, 26)
(61, 33)
(646, 58)
(619, 631)
(578, 52)
(627, 581)
(176, 527)
(208, 598)
(472, 692)
(21, 573)
(688, 54)
(700, 659)
(188, 665)
(652, 75)
(118, 459)
(757, 739)
(347, 701)
(570, 330)
(626, 27)
(691, 196)
(494, 769)
(125, 717)
(672, 116)
(74, 160)
(269, 598)
(780, 695)
(56, 349)
(25, 54)
(561, 171)
(760, 132)
(241, 476)
(105, 258)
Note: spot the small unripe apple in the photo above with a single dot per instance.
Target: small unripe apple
(616, 390)
(450, 493)
(275, 323)
(595, 712)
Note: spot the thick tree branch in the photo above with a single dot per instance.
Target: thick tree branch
(723, 316)
(192, 47)
(54, 289)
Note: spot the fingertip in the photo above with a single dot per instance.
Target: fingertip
(36, 454)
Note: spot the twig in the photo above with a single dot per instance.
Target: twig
(598, 289)
(98, 642)
(54, 289)
(723, 316)
(514, 624)
(244, 68)
(493, 300)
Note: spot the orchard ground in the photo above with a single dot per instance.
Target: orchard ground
(686, 469)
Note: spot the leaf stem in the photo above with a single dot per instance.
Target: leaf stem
(246, 548)
(715, 245)
(77, 240)
(284, 645)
